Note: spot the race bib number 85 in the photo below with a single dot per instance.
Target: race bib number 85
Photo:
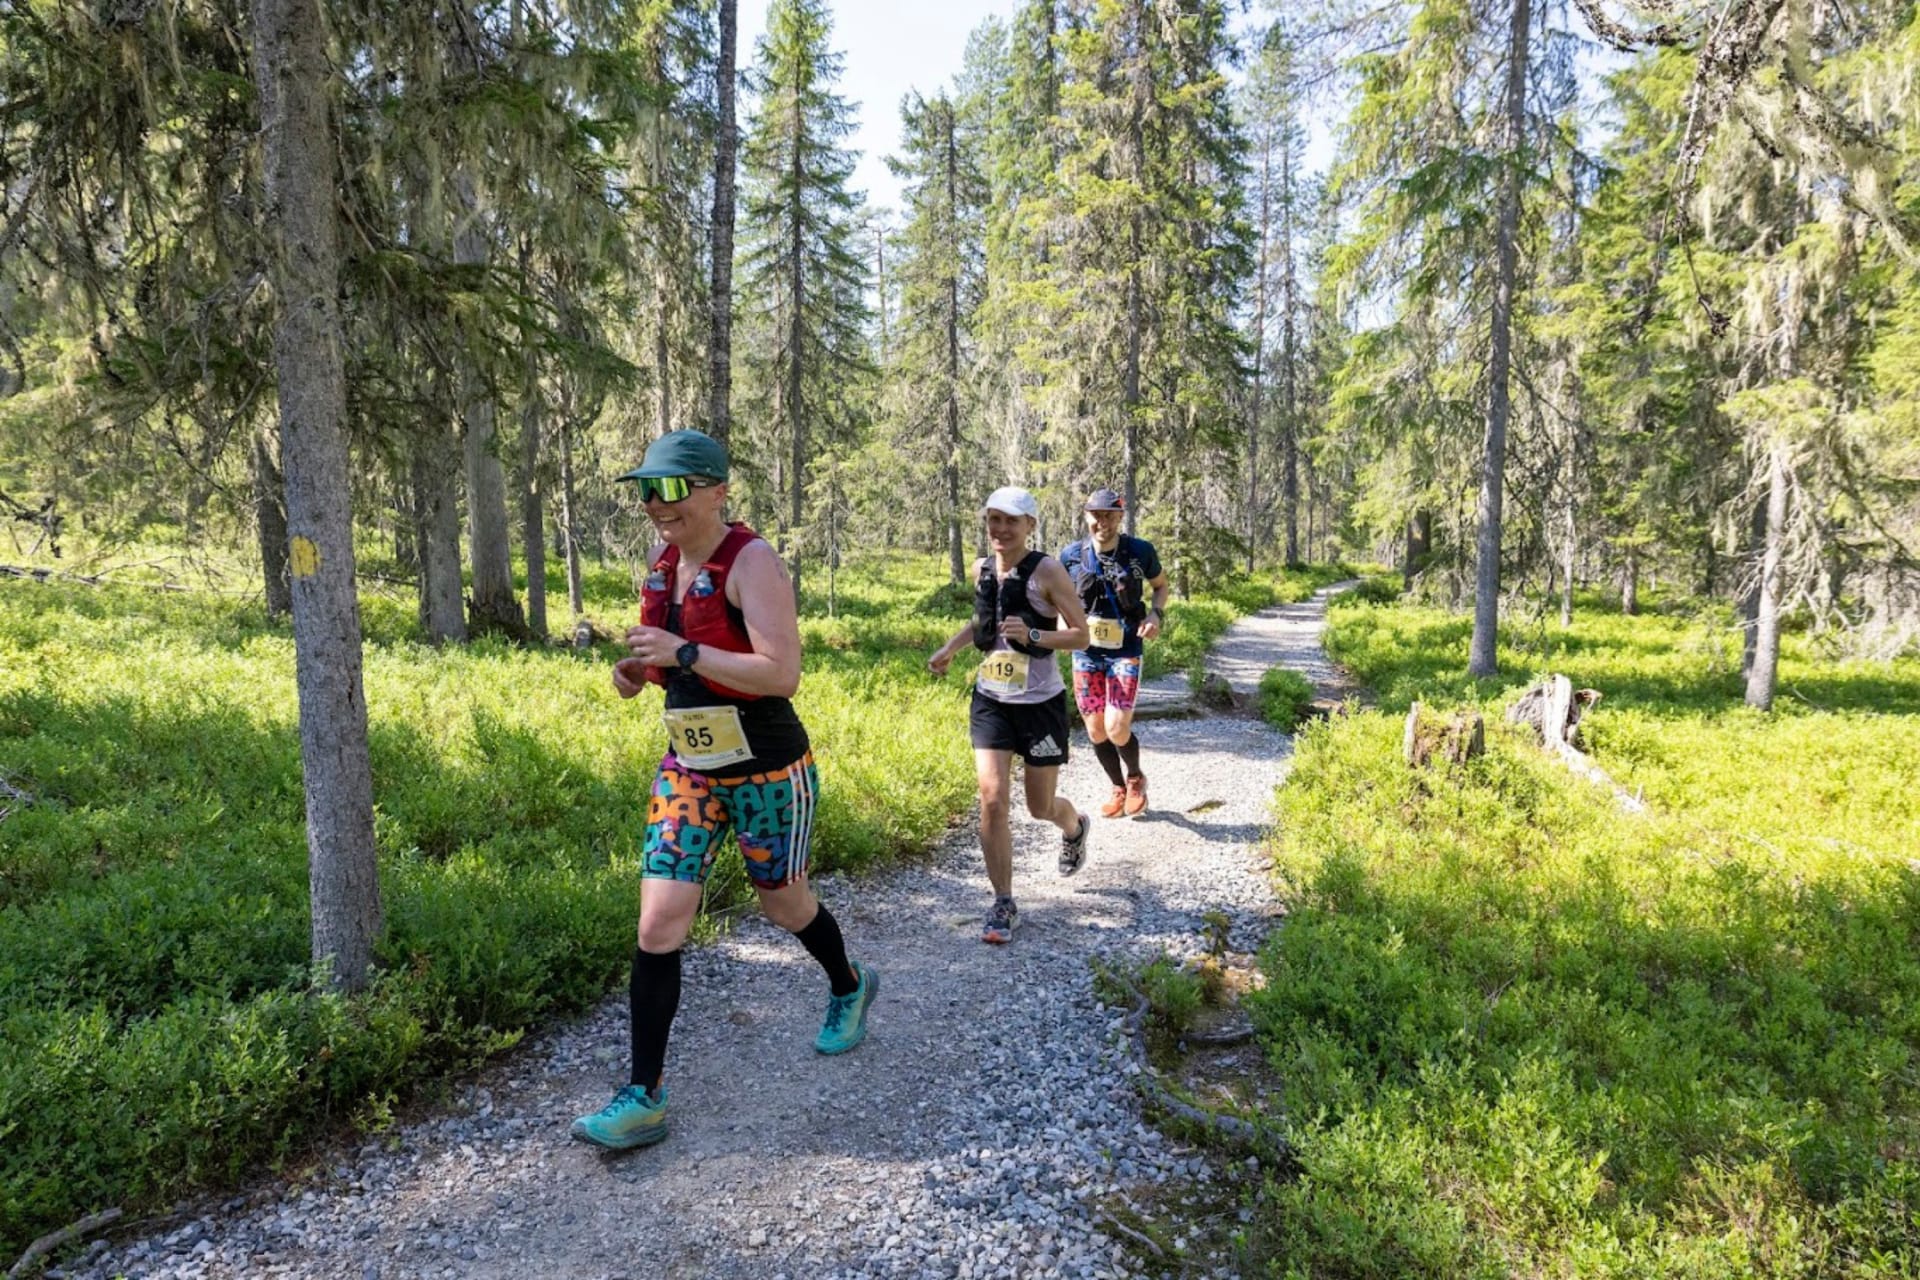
(705, 738)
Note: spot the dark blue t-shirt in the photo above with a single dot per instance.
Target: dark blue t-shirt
(1114, 585)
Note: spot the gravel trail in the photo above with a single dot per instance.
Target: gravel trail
(981, 1131)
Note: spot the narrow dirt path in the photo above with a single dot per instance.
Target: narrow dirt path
(986, 1128)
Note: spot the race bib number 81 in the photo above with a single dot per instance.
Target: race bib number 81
(1107, 633)
(705, 738)
(1003, 671)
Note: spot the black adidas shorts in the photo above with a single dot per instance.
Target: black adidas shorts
(1036, 731)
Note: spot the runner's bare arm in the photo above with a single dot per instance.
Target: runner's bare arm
(760, 589)
(943, 656)
(1056, 585)
(1150, 625)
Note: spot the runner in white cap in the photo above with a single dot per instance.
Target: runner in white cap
(1025, 610)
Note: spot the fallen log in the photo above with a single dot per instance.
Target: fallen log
(54, 1239)
(1553, 709)
(1229, 1130)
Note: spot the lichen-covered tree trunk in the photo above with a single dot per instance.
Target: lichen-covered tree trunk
(576, 595)
(1483, 656)
(1766, 642)
(290, 73)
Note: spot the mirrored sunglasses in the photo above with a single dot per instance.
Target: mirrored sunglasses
(672, 488)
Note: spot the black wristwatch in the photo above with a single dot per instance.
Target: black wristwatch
(687, 654)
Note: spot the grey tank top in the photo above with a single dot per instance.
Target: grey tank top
(1043, 670)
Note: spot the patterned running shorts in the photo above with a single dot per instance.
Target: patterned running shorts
(691, 813)
(1099, 683)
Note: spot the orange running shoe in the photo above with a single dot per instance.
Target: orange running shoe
(1136, 794)
(1115, 804)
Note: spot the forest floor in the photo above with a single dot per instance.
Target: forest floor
(987, 1127)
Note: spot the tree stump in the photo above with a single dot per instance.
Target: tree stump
(1553, 709)
(1457, 739)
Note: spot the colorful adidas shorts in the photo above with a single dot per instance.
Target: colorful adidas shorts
(1101, 682)
(691, 813)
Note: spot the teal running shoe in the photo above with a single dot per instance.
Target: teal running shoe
(635, 1118)
(846, 1023)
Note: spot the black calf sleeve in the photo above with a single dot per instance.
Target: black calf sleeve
(653, 996)
(823, 942)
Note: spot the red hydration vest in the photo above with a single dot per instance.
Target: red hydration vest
(705, 615)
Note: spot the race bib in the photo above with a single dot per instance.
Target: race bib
(705, 738)
(1107, 633)
(1004, 671)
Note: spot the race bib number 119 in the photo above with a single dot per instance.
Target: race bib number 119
(1003, 671)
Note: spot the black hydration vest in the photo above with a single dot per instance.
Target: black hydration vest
(991, 606)
(1127, 603)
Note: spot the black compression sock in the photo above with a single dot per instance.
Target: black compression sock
(653, 996)
(1130, 752)
(1109, 757)
(823, 942)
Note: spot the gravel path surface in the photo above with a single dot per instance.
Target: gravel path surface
(982, 1129)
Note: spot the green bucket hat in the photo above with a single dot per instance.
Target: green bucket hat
(682, 453)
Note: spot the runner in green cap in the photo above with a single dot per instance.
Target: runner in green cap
(719, 631)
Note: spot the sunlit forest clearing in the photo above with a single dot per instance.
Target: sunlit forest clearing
(327, 329)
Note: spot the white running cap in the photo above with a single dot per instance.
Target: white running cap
(1013, 500)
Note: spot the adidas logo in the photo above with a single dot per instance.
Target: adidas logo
(1046, 747)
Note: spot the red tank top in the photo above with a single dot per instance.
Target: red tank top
(705, 615)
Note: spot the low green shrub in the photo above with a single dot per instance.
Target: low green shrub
(1524, 1033)
(1378, 588)
(1284, 697)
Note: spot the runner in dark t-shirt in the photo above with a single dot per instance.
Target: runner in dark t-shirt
(1123, 590)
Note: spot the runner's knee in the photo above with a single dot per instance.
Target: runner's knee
(791, 907)
(663, 933)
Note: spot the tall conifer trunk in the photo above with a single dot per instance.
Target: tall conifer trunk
(796, 338)
(1483, 658)
(1289, 304)
(290, 75)
(493, 605)
(270, 521)
(1259, 346)
(956, 552)
(720, 315)
(436, 499)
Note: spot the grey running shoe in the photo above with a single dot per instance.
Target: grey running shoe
(1073, 848)
(1001, 918)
